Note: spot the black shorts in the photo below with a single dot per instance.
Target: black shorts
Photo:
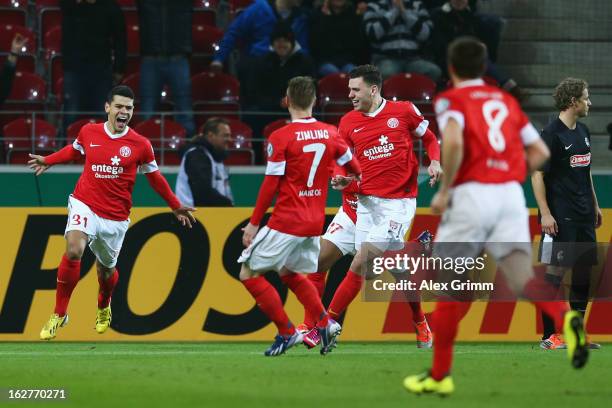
(574, 245)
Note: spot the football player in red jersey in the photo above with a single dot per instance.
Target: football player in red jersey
(300, 156)
(488, 145)
(338, 241)
(100, 205)
(381, 134)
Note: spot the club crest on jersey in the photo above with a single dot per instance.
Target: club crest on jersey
(270, 149)
(393, 123)
(586, 140)
(580, 160)
(125, 151)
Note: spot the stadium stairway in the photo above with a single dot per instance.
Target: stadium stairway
(545, 41)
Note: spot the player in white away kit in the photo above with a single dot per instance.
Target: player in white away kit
(380, 133)
(100, 205)
(300, 156)
(488, 144)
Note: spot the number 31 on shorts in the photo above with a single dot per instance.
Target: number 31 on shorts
(77, 220)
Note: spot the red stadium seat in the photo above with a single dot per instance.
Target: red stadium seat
(272, 126)
(13, 12)
(333, 97)
(204, 12)
(49, 14)
(236, 6)
(269, 129)
(205, 40)
(25, 63)
(409, 87)
(131, 17)
(58, 89)
(52, 41)
(72, 131)
(216, 94)
(28, 93)
(133, 39)
(126, 3)
(333, 88)
(166, 137)
(133, 81)
(25, 135)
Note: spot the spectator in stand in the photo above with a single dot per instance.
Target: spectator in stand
(253, 27)
(7, 74)
(203, 180)
(396, 30)
(8, 70)
(337, 42)
(165, 46)
(456, 19)
(94, 51)
(266, 85)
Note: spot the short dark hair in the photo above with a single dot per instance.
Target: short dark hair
(566, 90)
(302, 91)
(370, 74)
(468, 57)
(211, 126)
(121, 90)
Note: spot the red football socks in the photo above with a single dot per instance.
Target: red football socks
(307, 295)
(417, 312)
(346, 292)
(68, 275)
(318, 280)
(107, 286)
(446, 322)
(269, 302)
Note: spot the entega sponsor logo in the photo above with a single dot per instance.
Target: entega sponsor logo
(106, 171)
(312, 134)
(378, 152)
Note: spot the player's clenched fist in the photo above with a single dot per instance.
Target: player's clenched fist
(249, 233)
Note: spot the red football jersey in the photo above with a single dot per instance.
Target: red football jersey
(349, 195)
(111, 163)
(495, 131)
(382, 142)
(302, 153)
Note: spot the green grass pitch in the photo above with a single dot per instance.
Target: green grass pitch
(354, 375)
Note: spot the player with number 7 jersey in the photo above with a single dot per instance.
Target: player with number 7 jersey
(300, 159)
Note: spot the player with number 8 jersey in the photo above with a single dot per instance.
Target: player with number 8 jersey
(300, 160)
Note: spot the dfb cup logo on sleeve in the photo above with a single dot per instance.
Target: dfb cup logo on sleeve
(270, 149)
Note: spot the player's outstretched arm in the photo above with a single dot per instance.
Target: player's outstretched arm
(41, 163)
(38, 164)
(161, 187)
(268, 189)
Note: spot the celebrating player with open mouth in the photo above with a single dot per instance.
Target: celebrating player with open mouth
(380, 133)
(100, 205)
